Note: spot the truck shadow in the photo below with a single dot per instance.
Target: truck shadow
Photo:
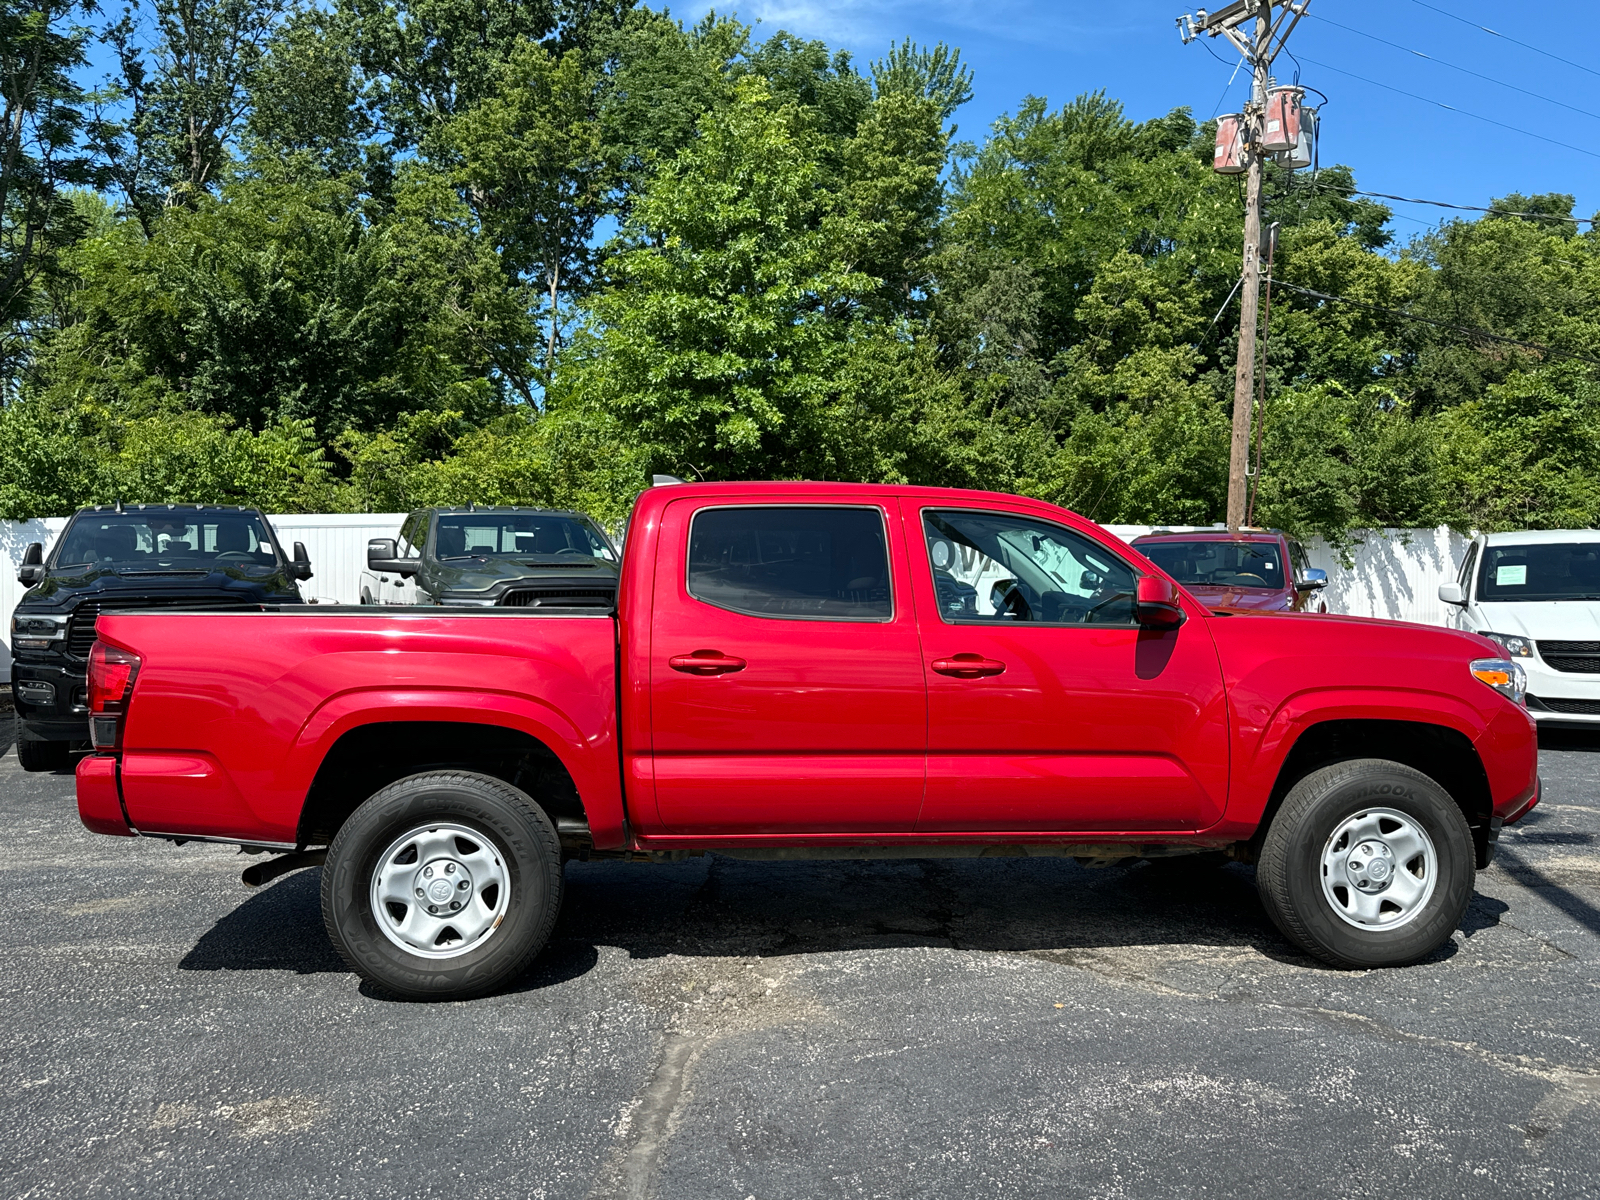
(724, 907)
(277, 929)
(718, 907)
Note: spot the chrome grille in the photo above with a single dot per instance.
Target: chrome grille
(558, 598)
(1579, 658)
(1586, 708)
(80, 626)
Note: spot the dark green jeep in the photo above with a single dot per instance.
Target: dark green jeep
(528, 557)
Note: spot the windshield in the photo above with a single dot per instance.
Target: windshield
(499, 535)
(161, 541)
(1218, 564)
(1557, 571)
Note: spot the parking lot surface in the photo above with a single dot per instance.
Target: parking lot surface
(725, 1029)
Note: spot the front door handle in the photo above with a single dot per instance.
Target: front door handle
(706, 662)
(969, 666)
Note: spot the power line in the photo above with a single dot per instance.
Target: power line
(1505, 37)
(1471, 331)
(1450, 107)
(1499, 212)
(1455, 67)
(1229, 86)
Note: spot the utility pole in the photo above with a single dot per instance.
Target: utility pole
(1259, 46)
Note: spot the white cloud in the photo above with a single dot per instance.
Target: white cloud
(873, 24)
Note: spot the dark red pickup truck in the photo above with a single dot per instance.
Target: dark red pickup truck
(810, 670)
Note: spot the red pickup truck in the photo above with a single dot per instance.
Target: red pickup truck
(812, 670)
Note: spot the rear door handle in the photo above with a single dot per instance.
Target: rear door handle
(969, 666)
(706, 662)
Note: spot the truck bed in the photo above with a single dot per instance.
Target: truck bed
(298, 680)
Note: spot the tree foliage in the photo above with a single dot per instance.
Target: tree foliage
(367, 255)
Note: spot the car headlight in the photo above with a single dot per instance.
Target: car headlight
(1513, 644)
(32, 632)
(1504, 676)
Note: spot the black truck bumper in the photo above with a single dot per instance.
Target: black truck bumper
(51, 700)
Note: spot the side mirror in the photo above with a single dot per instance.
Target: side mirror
(1156, 604)
(1312, 579)
(300, 568)
(31, 570)
(1451, 593)
(383, 556)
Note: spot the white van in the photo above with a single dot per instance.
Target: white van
(1538, 595)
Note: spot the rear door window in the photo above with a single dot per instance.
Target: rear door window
(818, 563)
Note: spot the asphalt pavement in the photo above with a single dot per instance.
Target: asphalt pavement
(720, 1029)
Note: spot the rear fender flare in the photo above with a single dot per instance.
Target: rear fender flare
(591, 761)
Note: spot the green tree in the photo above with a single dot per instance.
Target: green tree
(276, 301)
(188, 100)
(734, 342)
(1526, 454)
(305, 102)
(48, 147)
(528, 162)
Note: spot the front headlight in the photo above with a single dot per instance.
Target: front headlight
(1514, 644)
(31, 632)
(1504, 676)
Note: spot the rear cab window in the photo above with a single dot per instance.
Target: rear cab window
(800, 562)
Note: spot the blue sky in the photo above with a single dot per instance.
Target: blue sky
(1394, 143)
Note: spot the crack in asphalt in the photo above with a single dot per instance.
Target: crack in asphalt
(631, 1172)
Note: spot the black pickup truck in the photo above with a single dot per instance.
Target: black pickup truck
(488, 557)
(114, 558)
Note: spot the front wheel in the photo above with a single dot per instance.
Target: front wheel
(443, 886)
(1368, 863)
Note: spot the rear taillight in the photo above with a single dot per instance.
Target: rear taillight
(111, 675)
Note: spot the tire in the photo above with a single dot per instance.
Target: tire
(41, 756)
(1368, 863)
(443, 836)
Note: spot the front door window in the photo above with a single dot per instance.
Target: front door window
(993, 568)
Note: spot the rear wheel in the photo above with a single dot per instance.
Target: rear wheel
(39, 755)
(443, 886)
(1369, 863)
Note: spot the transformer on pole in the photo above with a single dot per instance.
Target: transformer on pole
(1272, 123)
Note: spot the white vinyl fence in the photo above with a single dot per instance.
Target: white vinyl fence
(1396, 572)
